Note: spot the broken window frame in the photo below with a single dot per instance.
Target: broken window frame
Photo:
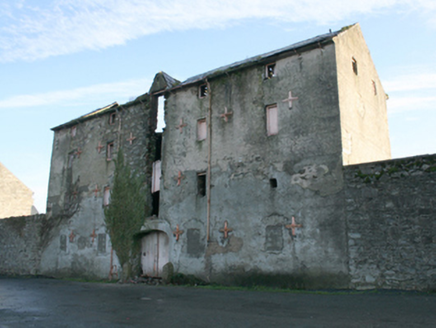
(110, 146)
(201, 184)
(112, 118)
(272, 120)
(270, 70)
(202, 91)
(201, 129)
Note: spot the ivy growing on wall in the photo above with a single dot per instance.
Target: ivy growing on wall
(125, 214)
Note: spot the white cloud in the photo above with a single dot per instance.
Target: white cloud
(404, 104)
(30, 32)
(119, 90)
(410, 82)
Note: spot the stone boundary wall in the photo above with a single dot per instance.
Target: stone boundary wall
(391, 218)
(20, 244)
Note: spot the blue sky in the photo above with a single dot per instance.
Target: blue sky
(62, 59)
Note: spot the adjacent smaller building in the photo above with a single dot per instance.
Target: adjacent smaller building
(16, 199)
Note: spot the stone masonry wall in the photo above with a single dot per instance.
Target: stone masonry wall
(390, 209)
(20, 242)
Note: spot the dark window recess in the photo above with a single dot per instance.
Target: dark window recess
(354, 63)
(270, 70)
(273, 183)
(203, 91)
(155, 203)
(112, 118)
(201, 184)
(158, 146)
(374, 86)
(109, 151)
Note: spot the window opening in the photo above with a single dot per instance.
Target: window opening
(273, 183)
(270, 70)
(201, 129)
(73, 131)
(160, 114)
(201, 184)
(155, 203)
(202, 92)
(272, 124)
(374, 86)
(107, 196)
(109, 150)
(112, 118)
(354, 63)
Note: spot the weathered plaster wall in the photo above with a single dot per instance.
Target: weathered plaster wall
(20, 244)
(304, 158)
(364, 122)
(391, 218)
(80, 172)
(15, 198)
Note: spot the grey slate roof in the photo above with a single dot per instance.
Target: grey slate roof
(315, 40)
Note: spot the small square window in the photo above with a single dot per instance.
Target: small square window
(201, 129)
(109, 151)
(73, 131)
(273, 183)
(112, 118)
(272, 123)
(202, 91)
(354, 63)
(201, 184)
(107, 196)
(270, 70)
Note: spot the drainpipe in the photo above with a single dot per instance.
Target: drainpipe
(209, 155)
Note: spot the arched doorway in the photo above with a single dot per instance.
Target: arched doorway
(154, 253)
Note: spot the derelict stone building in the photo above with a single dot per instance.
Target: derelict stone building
(248, 181)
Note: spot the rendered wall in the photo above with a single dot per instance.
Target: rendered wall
(304, 158)
(79, 244)
(391, 218)
(364, 122)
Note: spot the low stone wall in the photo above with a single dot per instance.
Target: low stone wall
(391, 218)
(20, 244)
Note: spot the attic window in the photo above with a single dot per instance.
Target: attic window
(270, 70)
(73, 131)
(201, 184)
(107, 196)
(112, 118)
(109, 151)
(354, 63)
(201, 129)
(202, 91)
(272, 123)
(374, 87)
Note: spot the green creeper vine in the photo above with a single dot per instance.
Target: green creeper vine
(125, 214)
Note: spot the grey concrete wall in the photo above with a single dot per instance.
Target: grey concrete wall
(391, 218)
(78, 243)
(304, 158)
(20, 244)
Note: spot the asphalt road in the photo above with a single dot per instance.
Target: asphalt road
(56, 303)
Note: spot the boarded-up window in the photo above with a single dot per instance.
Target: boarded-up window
(107, 196)
(155, 182)
(272, 123)
(201, 129)
(109, 151)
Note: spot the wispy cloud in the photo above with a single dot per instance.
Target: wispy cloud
(30, 32)
(118, 91)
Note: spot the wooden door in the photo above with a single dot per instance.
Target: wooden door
(154, 253)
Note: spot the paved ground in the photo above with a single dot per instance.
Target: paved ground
(55, 303)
